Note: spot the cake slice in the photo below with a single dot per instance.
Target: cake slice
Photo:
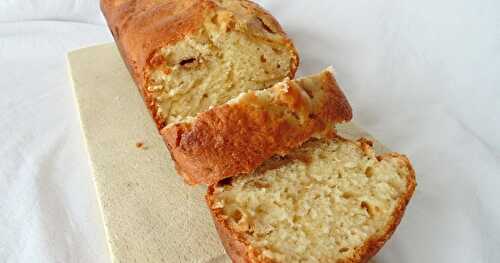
(331, 200)
(235, 138)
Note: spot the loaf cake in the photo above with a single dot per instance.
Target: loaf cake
(186, 56)
(331, 200)
(217, 77)
(235, 138)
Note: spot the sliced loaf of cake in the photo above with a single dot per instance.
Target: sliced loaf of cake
(331, 200)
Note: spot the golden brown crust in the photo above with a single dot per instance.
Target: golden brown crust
(234, 139)
(238, 247)
(142, 27)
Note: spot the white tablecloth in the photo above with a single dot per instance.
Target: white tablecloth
(422, 76)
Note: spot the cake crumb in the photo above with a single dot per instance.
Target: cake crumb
(140, 145)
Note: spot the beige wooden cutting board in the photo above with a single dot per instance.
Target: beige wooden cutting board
(150, 215)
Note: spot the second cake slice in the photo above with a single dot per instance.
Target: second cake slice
(238, 136)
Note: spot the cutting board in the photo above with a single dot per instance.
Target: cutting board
(149, 214)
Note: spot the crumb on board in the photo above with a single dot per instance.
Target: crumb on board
(140, 145)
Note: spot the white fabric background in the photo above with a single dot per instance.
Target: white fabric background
(422, 76)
